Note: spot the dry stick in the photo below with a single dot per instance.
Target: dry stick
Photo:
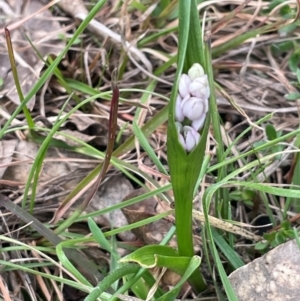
(4, 290)
(225, 102)
(226, 226)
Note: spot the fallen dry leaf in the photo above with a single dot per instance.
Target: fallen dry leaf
(111, 192)
(7, 148)
(43, 31)
(154, 232)
(151, 233)
(89, 129)
(93, 140)
(64, 169)
(58, 164)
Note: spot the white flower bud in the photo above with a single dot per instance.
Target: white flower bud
(181, 140)
(193, 108)
(189, 139)
(178, 110)
(199, 87)
(195, 71)
(191, 105)
(184, 83)
(198, 123)
(178, 127)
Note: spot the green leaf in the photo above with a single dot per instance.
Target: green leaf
(286, 225)
(185, 168)
(234, 259)
(274, 3)
(98, 235)
(269, 236)
(14, 72)
(294, 61)
(262, 245)
(67, 264)
(289, 233)
(288, 29)
(158, 256)
(285, 46)
(298, 75)
(270, 132)
(259, 143)
(145, 256)
(292, 96)
(101, 239)
(192, 266)
(296, 235)
(110, 279)
(279, 238)
(248, 195)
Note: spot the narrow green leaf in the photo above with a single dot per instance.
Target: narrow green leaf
(98, 235)
(147, 147)
(294, 61)
(177, 264)
(261, 245)
(298, 75)
(67, 264)
(296, 235)
(110, 279)
(234, 259)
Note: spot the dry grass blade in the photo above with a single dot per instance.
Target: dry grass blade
(111, 141)
(4, 290)
(223, 22)
(113, 116)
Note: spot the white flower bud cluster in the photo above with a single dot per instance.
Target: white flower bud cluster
(191, 106)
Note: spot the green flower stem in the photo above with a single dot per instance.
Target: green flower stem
(185, 167)
(183, 217)
(184, 227)
(185, 170)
